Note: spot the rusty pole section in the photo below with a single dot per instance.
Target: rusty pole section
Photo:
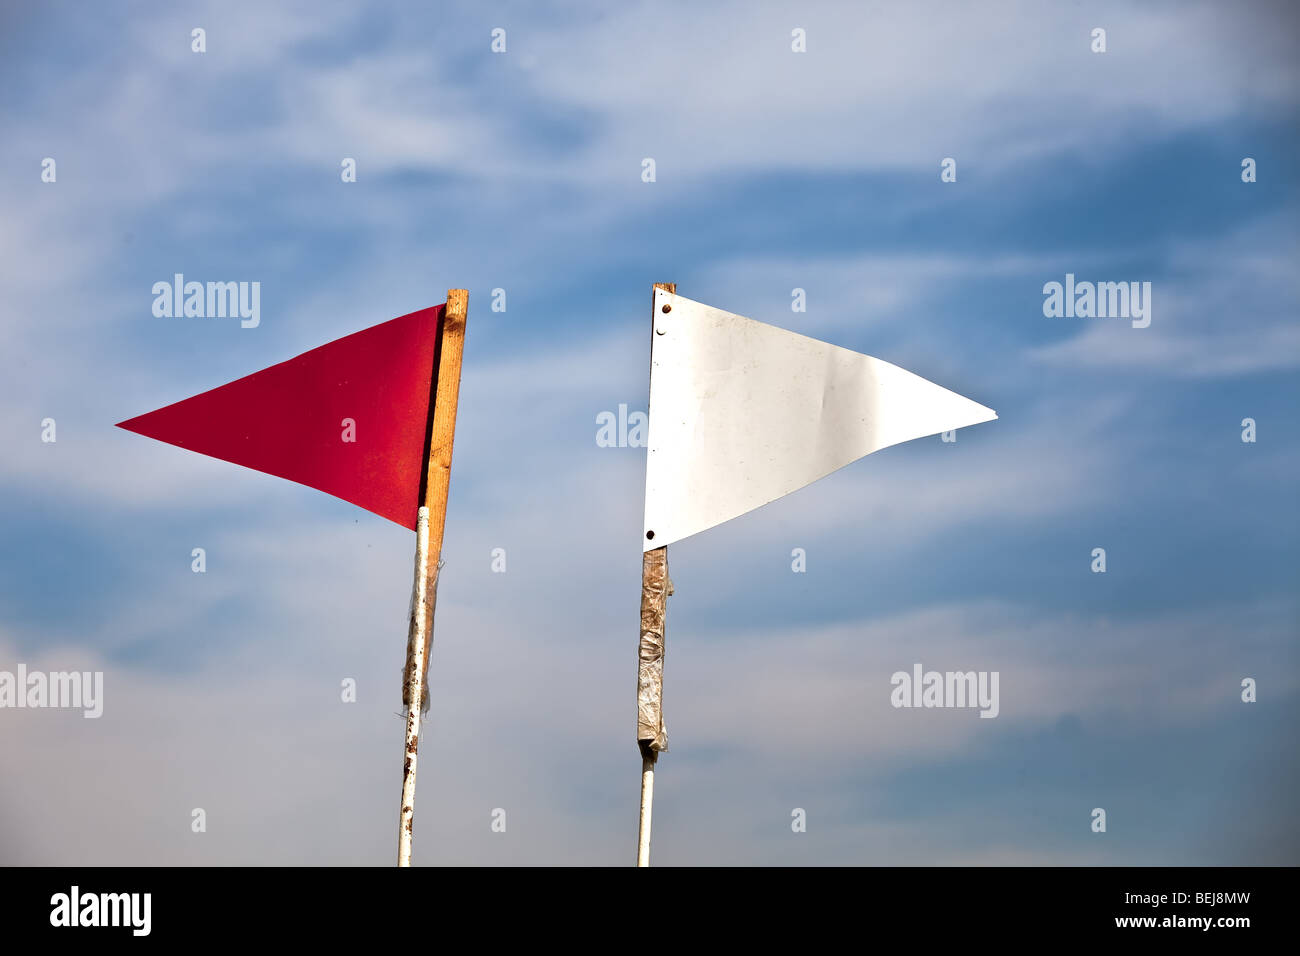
(430, 522)
(652, 738)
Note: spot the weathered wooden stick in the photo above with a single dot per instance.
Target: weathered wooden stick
(430, 523)
(652, 738)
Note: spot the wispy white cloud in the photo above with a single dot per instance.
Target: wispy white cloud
(1227, 306)
(265, 727)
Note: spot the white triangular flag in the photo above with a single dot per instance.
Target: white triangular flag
(742, 413)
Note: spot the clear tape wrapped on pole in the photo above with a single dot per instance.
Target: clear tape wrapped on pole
(655, 588)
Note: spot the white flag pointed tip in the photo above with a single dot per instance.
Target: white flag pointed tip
(743, 413)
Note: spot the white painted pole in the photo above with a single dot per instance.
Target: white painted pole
(647, 807)
(418, 648)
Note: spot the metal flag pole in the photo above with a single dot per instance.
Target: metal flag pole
(430, 522)
(652, 739)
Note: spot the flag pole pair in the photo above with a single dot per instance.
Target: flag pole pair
(740, 414)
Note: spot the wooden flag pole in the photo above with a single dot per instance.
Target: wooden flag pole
(651, 737)
(430, 522)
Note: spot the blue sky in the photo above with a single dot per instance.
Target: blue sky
(775, 170)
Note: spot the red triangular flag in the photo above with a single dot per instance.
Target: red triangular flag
(288, 420)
